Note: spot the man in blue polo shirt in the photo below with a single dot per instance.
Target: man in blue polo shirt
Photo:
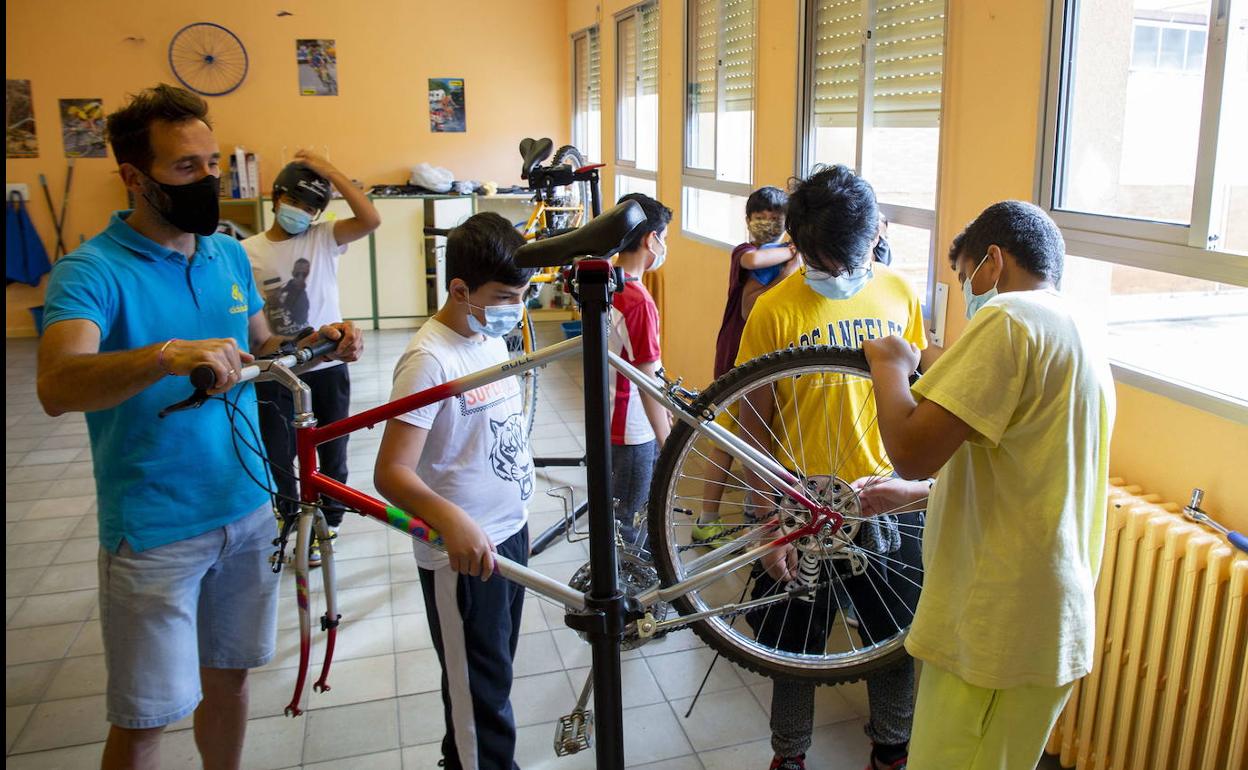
(187, 599)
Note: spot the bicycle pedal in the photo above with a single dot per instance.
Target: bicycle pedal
(573, 733)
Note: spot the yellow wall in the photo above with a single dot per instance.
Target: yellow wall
(995, 58)
(514, 60)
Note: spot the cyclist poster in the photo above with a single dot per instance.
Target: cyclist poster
(318, 67)
(446, 105)
(82, 128)
(19, 121)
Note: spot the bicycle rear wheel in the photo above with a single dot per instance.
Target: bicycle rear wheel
(573, 195)
(822, 428)
(520, 342)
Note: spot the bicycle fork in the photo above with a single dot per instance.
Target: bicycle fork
(311, 520)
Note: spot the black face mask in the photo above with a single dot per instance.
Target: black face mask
(192, 208)
(883, 253)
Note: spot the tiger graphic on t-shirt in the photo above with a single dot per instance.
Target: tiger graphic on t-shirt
(509, 454)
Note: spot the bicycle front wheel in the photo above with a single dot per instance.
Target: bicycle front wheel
(520, 342)
(847, 612)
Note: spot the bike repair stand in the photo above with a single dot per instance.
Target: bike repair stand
(609, 610)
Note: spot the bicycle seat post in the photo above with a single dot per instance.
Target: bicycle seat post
(605, 628)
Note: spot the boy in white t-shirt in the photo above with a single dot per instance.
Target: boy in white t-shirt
(295, 264)
(1017, 417)
(463, 465)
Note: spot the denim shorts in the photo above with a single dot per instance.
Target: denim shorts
(208, 601)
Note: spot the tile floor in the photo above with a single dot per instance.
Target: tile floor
(384, 709)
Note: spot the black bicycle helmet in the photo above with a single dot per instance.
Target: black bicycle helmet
(303, 184)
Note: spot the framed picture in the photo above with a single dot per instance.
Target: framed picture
(82, 128)
(446, 105)
(318, 67)
(19, 120)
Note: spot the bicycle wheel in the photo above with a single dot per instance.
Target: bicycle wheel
(822, 427)
(208, 59)
(571, 196)
(520, 342)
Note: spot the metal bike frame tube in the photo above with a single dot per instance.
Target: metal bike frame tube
(594, 278)
(771, 471)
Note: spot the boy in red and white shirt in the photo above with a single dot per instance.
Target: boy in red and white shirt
(639, 424)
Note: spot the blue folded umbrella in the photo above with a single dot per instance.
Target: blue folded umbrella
(25, 259)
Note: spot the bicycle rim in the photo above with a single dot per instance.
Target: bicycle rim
(859, 570)
(522, 341)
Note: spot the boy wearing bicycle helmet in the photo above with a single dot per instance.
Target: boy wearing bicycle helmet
(839, 297)
(295, 265)
(639, 424)
(464, 466)
(1017, 417)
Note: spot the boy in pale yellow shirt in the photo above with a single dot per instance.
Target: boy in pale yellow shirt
(1017, 417)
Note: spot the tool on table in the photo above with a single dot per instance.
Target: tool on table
(1193, 512)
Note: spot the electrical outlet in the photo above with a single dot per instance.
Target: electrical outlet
(938, 314)
(21, 189)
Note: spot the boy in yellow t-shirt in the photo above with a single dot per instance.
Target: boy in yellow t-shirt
(838, 298)
(1017, 417)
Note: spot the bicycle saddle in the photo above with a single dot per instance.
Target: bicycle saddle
(534, 151)
(602, 237)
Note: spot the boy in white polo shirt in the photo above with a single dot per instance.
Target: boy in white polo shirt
(1016, 417)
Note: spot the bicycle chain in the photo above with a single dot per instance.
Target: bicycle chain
(730, 615)
(721, 536)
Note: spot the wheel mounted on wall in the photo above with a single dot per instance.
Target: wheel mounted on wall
(208, 59)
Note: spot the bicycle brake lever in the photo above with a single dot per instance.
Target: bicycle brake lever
(194, 401)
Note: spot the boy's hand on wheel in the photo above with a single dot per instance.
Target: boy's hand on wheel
(878, 495)
(889, 352)
(781, 563)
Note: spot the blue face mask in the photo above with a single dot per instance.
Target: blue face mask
(838, 286)
(499, 319)
(975, 301)
(293, 220)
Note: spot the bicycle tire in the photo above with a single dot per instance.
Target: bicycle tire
(521, 341)
(570, 155)
(727, 637)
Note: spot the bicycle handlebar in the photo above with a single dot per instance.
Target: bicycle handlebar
(204, 377)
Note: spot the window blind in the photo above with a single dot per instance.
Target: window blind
(909, 62)
(737, 31)
(704, 66)
(594, 74)
(909, 58)
(649, 50)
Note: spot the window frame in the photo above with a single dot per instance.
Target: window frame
(707, 178)
(1164, 247)
(580, 123)
(906, 216)
(623, 166)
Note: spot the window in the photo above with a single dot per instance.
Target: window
(719, 117)
(872, 102)
(1168, 46)
(587, 94)
(637, 94)
(1145, 171)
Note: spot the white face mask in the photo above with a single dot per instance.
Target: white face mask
(499, 319)
(975, 301)
(838, 286)
(659, 256)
